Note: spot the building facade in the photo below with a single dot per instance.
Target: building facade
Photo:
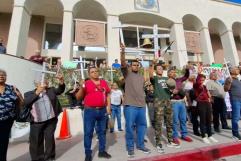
(211, 27)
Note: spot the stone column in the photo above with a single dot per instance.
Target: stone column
(206, 46)
(67, 36)
(18, 32)
(229, 47)
(179, 57)
(113, 39)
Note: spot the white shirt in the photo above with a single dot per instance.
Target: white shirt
(115, 97)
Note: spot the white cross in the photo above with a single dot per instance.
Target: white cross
(156, 36)
(226, 66)
(111, 73)
(121, 32)
(81, 62)
(44, 71)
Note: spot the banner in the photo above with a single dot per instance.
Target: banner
(223, 73)
(89, 33)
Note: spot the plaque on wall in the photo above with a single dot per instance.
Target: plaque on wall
(148, 5)
(193, 42)
(89, 33)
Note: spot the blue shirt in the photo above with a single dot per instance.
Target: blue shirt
(8, 102)
(2, 49)
(116, 65)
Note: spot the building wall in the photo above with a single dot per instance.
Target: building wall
(238, 45)
(171, 10)
(5, 19)
(217, 49)
(35, 35)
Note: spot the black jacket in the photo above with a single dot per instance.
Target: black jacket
(30, 97)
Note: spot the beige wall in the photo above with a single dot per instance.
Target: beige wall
(238, 45)
(5, 19)
(217, 49)
(35, 35)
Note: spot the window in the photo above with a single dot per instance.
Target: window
(53, 36)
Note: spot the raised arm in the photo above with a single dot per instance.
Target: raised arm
(227, 84)
(124, 68)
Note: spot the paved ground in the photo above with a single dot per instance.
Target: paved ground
(72, 149)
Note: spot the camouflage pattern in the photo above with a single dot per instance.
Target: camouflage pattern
(163, 111)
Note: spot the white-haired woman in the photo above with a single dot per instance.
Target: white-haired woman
(10, 98)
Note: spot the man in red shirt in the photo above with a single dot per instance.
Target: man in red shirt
(96, 95)
(37, 58)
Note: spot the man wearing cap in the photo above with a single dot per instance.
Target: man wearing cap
(218, 104)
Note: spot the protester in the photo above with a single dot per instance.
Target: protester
(37, 58)
(2, 48)
(149, 91)
(45, 109)
(205, 109)
(218, 103)
(135, 105)
(96, 95)
(233, 85)
(116, 101)
(162, 106)
(178, 105)
(11, 99)
(71, 96)
(116, 65)
(191, 104)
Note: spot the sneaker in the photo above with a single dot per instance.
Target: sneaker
(104, 154)
(120, 129)
(237, 138)
(176, 141)
(173, 145)
(131, 153)
(145, 150)
(217, 130)
(88, 158)
(197, 133)
(213, 139)
(160, 149)
(186, 138)
(206, 141)
(227, 128)
(145, 140)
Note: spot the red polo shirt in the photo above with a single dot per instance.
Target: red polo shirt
(96, 95)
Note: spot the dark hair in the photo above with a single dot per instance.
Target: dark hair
(134, 61)
(91, 67)
(157, 65)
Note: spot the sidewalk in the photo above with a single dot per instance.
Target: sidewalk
(73, 150)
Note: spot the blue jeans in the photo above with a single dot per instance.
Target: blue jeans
(179, 116)
(236, 106)
(94, 117)
(135, 117)
(116, 113)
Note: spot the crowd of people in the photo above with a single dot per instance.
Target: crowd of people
(171, 102)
